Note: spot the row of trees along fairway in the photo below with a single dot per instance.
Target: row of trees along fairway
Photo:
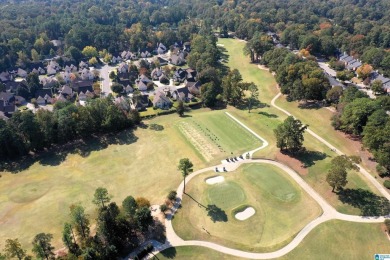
(118, 230)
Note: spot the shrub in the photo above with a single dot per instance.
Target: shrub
(163, 208)
(172, 195)
(142, 202)
(387, 184)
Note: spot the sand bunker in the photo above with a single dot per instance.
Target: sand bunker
(247, 213)
(215, 180)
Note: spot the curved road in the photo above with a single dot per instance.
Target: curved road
(329, 213)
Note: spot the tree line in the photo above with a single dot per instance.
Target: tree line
(118, 230)
(27, 132)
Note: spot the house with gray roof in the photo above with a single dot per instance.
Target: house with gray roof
(161, 101)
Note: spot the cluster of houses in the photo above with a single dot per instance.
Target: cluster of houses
(176, 56)
(59, 83)
(353, 64)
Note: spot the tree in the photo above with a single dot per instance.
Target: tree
(289, 134)
(117, 87)
(74, 53)
(34, 55)
(129, 205)
(333, 95)
(101, 196)
(185, 166)
(93, 61)
(387, 223)
(90, 51)
(69, 238)
(233, 90)
(364, 71)
(42, 246)
(142, 202)
(180, 108)
(253, 95)
(80, 220)
(13, 248)
(143, 218)
(377, 87)
(337, 177)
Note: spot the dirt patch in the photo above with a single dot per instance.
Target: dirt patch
(293, 163)
(262, 67)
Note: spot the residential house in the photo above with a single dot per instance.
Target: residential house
(156, 73)
(39, 71)
(180, 75)
(56, 43)
(66, 91)
(48, 82)
(83, 65)
(141, 85)
(7, 103)
(61, 97)
(161, 101)
(52, 68)
(162, 61)
(191, 74)
(141, 102)
(163, 79)
(19, 100)
(193, 87)
(86, 74)
(123, 103)
(145, 54)
(44, 96)
(161, 49)
(349, 62)
(127, 85)
(123, 67)
(80, 85)
(115, 60)
(182, 94)
(177, 59)
(187, 47)
(144, 79)
(5, 76)
(385, 81)
(22, 73)
(12, 86)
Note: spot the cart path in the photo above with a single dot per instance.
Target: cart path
(328, 212)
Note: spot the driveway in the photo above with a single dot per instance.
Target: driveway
(106, 82)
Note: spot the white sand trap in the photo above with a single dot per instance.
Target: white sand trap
(219, 44)
(215, 180)
(247, 213)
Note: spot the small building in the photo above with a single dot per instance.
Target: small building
(193, 87)
(161, 101)
(44, 96)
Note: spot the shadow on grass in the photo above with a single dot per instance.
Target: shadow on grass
(156, 127)
(169, 253)
(311, 105)
(268, 114)
(216, 214)
(243, 105)
(307, 158)
(369, 203)
(58, 153)
(199, 204)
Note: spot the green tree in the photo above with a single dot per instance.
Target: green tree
(34, 55)
(253, 95)
(377, 87)
(80, 221)
(42, 246)
(90, 51)
(233, 90)
(337, 177)
(185, 166)
(180, 108)
(333, 95)
(13, 248)
(143, 218)
(74, 53)
(101, 196)
(129, 206)
(93, 61)
(117, 87)
(289, 134)
(69, 239)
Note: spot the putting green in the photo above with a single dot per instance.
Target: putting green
(281, 207)
(226, 195)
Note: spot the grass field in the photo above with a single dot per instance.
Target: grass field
(330, 240)
(282, 209)
(216, 135)
(266, 118)
(37, 199)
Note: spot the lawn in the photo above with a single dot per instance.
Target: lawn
(266, 118)
(37, 199)
(327, 241)
(215, 135)
(317, 118)
(282, 209)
